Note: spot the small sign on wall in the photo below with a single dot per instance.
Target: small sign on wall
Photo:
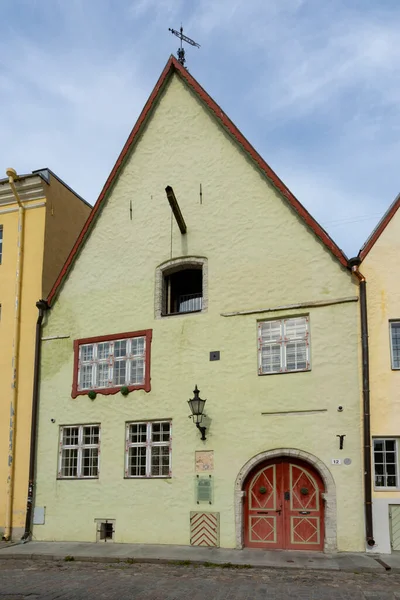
(336, 461)
(204, 461)
(204, 489)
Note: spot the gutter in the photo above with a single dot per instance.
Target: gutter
(12, 176)
(42, 307)
(369, 531)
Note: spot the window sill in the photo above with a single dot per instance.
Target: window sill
(113, 390)
(145, 477)
(285, 372)
(387, 489)
(181, 314)
(76, 478)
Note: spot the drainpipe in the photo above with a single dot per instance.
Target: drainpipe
(354, 264)
(42, 307)
(12, 176)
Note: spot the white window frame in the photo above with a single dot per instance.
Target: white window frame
(282, 341)
(111, 360)
(149, 444)
(387, 488)
(391, 323)
(80, 446)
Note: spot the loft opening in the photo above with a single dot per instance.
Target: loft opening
(181, 286)
(183, 289)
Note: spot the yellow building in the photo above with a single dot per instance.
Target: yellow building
(380, 267)
(40, 219)
(198, 267)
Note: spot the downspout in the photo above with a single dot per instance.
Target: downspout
(42, 307)
(12, 176)
(354, 263)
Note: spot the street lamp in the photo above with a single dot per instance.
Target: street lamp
(196, 405)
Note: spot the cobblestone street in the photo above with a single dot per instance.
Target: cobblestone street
(20, 580)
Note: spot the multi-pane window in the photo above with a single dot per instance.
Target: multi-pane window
(109, 363)
(79, 451)
(148, 449)
(283, 345)
(395, 343)
(386, 463)
(1, 243)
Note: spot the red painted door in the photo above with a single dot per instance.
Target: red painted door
(283, 507)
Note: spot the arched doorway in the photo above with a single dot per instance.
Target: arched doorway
(283, 507)
(329, 527)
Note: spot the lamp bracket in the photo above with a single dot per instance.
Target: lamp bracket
(202, 431)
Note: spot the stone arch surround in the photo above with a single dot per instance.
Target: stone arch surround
(329, 496)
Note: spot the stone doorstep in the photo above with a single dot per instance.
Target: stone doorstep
(186, 555)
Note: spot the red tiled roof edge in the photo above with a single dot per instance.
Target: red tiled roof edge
(379, 229)
(171, 66)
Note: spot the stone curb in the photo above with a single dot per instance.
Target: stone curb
(200, 562)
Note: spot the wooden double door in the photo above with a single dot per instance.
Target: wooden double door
(283, 506)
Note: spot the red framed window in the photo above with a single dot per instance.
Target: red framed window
(106, 364)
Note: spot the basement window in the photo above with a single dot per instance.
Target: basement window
(105, 529)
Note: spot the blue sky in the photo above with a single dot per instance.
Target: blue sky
(313, 85)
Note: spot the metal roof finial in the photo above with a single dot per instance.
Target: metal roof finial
(183, 38)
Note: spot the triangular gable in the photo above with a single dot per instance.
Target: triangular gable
(173, 66)
(380, 228)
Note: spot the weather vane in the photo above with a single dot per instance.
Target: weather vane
(183, 38)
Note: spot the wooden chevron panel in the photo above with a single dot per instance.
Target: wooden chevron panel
(204, 529)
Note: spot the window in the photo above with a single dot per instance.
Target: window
(283, 346)
(148, 449)
(183, 291)
(395, 343)
(181, 286)
(386, 463)
(105, 364)
(1, 243)
(79, 452)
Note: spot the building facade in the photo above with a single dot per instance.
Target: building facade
(40, 219)
(380, 258)
(198, 267)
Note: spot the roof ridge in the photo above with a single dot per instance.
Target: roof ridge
(380, 227)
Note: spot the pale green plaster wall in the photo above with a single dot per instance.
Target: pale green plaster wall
(259, 255)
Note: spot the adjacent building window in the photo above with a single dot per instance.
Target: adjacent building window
(79, 452)
(395, 343)
(1, 243)
(386, 463)
(148, 449)
(181, 286)
(106, 364)
(283, 345)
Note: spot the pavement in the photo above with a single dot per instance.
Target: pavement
(75, 580)
(111, 552)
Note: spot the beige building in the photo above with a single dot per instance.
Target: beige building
(40, 219)
(198, 267)
(380, 266)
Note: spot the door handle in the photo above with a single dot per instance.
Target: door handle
(262, 512)
(304, 512)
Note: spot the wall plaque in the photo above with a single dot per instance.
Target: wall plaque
(204, 461)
